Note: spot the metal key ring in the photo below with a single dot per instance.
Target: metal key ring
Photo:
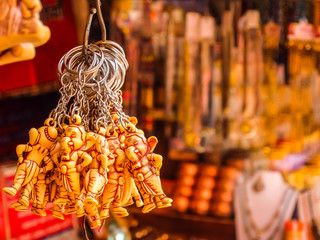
(77, 50)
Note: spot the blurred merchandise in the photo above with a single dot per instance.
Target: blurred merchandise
(263, 203)
(202, 192)
(21, 30)
(308, 212)
(223, 193)
(221, 83)
(184, 186)
(117, 232)
(205, 189)
(293, 230)
(39, 75)
(232, 89)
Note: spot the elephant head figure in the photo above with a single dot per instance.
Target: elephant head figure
(114, 143)
(45, 136)
(137, 147)
(145, 168)
(75, 138)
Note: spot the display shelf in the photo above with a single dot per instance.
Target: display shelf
(36, 90)
(193, 226)
(174, 154)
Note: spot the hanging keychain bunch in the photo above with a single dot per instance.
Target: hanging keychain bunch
(89, 155)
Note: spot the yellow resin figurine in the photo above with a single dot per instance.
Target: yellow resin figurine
(114, 188)
(55, 188)
(144, 167)
(133, 190)
(88, 158)
(30, 157)
(73, 158)
(39, 194)
(95, 179)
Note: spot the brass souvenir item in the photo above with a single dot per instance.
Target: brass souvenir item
(33, 159)
(89, 155)
(144, 166)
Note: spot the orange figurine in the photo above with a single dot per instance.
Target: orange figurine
(56, 190)
(95, 179)
(145, 168)
(114, 188)
(30, 157)
(57, 194)
(73, 158)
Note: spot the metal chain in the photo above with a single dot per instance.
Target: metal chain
(91, 85)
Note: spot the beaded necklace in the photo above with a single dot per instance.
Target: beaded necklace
(276, 220)
(314, 222)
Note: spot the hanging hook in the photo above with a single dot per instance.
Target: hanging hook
(97, 5)
(101, 21)
(86, 35)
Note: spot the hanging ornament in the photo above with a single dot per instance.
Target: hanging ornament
(89, 155)
(20, 30)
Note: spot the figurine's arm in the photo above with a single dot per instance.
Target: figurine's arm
(120, 158)
(105, 161)
(128, 184)
(127, 170)
(55, 159)
(33, 4)
(22, 148)
(30, 7)
(48, 165)
(156, 161)
(86, 160)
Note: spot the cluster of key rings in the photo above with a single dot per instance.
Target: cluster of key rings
(89, 154)
(91, 84)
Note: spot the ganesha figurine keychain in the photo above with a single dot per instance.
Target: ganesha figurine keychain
(89, 157)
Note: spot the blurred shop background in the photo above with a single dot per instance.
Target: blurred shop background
(231, 88)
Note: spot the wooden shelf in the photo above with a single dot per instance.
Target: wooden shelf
(36, 90)
(182, 155)
(203, 227)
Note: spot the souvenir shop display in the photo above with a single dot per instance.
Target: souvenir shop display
(263, 203)
(308, 212)
(230, 88)
(293, 230)
(89, 155)
(248, 83)
(20, 30)
(184, 186)
(223, 197)
(204, 189)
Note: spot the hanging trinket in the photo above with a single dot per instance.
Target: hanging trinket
(20, 30)
(89, 155)
(33, 162)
